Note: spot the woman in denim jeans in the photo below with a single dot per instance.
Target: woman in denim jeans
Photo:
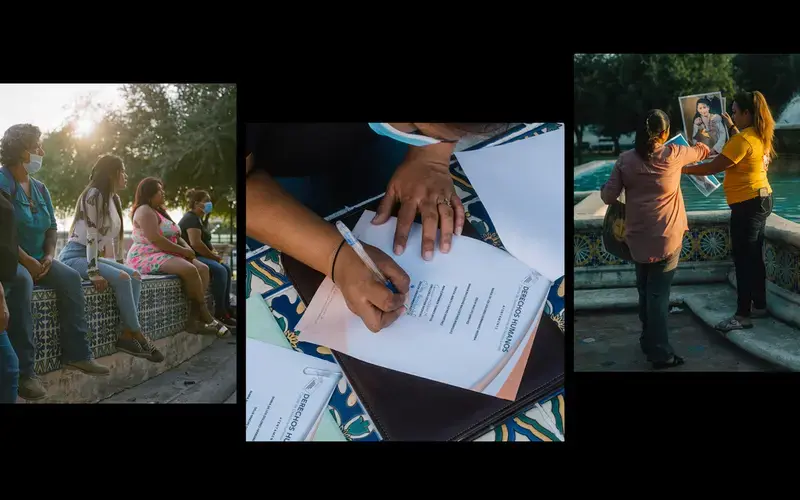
(97, 234)
(9, 363)
(21, 156)
(199, 238)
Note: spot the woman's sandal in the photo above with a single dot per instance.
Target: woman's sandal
(675, 361)
(218, 327)
(731, 324)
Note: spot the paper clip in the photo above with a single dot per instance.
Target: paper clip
(314, 372)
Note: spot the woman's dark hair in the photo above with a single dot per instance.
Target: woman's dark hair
(196, 196)
(763, 122)
(16, 141)
(145, 191)
(648, 133)
(702, 100)
(104, 178)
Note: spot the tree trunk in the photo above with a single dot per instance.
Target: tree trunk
(579, 148)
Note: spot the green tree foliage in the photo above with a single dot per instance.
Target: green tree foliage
(774, 75)
(183, 134)
(624, 86)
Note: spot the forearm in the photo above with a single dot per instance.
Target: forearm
(165, 245)
(50, 237)
(437, 155)
(275, 218)
(202, 250)
(23, 255)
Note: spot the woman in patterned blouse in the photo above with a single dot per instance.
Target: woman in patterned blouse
(95, 251)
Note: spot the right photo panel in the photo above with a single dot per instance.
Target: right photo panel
(687, 223)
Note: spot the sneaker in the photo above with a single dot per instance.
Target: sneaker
(133, 347)
(227, 320)
(232, 312)
(217, 327)
(89, 367)
(31, 388)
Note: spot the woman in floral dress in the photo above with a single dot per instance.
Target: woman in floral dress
(159, 249)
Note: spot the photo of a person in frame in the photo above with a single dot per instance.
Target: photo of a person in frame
(703, 122)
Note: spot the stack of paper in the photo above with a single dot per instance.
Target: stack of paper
(471, 321)
(278, 380)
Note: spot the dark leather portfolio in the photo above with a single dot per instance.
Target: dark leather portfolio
(404, 407)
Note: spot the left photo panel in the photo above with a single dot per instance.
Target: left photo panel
(118, 243)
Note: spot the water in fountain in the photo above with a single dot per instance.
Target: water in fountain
(791, 112)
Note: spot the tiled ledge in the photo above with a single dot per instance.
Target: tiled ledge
(163, 311)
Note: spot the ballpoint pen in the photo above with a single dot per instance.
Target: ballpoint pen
(362, 254)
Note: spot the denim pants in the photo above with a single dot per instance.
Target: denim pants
(127, 289)
(654, 281)
(748, 222)
(71, 312)
(368, 176)
(9, 371)
(221, 276)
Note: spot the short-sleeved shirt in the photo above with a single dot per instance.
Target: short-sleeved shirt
(749, 174)
(655, 216)
(191, 220)
(307, 149)
(33, 218)
(8, 239)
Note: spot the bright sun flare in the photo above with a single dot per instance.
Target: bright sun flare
(84, 127)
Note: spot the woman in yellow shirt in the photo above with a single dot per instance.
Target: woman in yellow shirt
(745, 159)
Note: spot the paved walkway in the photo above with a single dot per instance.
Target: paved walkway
(769, 339)
(208, 377)
(609, 341)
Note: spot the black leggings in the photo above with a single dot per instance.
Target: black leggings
(748, 220)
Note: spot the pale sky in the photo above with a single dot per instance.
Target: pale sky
(47, 105)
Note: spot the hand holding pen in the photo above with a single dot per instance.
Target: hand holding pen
(374, 287)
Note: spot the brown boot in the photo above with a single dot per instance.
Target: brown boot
(89, 367)
(31, 388)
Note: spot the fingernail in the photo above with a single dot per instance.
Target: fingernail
(428, 255)
(458, 230)
(402, 310)
(375, 218)
(445, 247)
(398, 250)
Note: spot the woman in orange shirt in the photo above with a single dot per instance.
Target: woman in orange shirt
(745, 159)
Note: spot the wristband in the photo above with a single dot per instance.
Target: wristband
(333, 266)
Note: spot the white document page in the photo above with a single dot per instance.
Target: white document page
(287, 391)
(470, 311)
(521, 184)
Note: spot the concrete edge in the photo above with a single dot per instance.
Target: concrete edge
(71, 386)
(781, 303)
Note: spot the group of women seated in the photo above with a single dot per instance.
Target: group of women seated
(95, 253)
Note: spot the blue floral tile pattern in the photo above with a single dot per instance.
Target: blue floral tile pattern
(163, 311)
(543, 422)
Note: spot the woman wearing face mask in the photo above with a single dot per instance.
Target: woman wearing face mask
(196, 231)
(745, 160)
(159, 249)
(655, 222)
(299, 173)
(95, 251)
(21, 155)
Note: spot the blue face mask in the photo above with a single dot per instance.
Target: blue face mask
(410, 138)
(207, 207)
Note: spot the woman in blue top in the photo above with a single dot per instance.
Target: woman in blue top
(21, 155)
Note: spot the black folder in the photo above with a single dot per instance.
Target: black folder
(404, 407)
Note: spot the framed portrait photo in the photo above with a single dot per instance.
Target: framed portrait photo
(701, 115)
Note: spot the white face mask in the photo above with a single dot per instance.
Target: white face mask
(34, 165)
